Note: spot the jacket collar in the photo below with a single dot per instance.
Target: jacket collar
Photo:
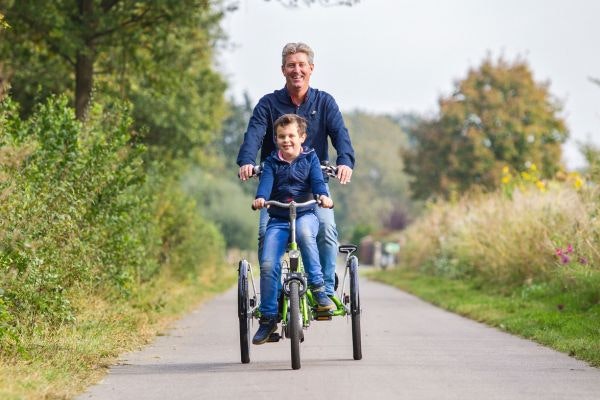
(285, 97)
(304, 153)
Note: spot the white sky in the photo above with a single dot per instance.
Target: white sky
(388, 56)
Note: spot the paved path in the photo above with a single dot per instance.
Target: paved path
(411, 350)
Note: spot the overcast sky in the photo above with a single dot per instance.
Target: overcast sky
(388, 56)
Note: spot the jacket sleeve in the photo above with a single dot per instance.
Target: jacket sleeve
(340, 139)
(253, 138)
(265, 185)
(317, 183)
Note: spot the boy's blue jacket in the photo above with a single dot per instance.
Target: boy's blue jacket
(284, 181)
(322, 115)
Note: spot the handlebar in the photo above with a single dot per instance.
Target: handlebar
(328, 169)
(288, 205)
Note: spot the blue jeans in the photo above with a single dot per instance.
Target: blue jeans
(276, 240)
(327, 243)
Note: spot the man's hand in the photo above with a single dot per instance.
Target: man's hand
(259, 203)
(344, 174)
(246, 171)
(326, 202)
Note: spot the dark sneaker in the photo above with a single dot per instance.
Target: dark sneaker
(324, 303)
(266, 328)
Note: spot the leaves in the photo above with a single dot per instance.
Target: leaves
(498, 115)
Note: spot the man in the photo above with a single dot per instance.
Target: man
(324, 121)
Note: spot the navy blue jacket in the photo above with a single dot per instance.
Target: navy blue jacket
(323, 117)
(284, 181)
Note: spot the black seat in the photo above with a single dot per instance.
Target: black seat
(347, 248)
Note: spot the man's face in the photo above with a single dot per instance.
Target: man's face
(297, 70)
(289, 141)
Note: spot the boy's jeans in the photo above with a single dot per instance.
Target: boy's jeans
(326, 242)
(276, 240)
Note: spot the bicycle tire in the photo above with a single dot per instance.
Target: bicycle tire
(355, 309)
(295, 324)
(244, 311)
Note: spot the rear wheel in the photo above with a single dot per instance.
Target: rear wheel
(244, 311)
(355, 309)
(295, 324)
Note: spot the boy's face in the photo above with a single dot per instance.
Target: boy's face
(289, 142)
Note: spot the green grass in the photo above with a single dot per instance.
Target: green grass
(563, 320)
(61, 362)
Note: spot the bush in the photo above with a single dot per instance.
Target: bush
(81, 213)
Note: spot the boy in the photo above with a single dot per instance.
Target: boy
(290, 173)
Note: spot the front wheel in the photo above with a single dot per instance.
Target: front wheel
(355, 308)
(295, 324)
(244, 314)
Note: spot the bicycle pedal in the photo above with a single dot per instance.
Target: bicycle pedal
(274, 337)
(323, 315)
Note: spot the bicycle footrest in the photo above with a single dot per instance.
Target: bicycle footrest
(275, 337)
(323, 315)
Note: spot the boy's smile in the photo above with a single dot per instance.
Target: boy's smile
(289, 142)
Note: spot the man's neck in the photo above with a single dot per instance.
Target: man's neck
(297, 95)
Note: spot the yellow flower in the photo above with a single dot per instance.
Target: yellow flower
(533, 167)
(578, 182)
(541, 185)
(505, 170)
(526, 176)
(506, 179)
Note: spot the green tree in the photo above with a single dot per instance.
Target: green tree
(156, 54)
(379, 187)
(497, 116)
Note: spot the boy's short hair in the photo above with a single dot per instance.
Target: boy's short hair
(287, 119)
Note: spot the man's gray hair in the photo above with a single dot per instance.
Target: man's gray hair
(292, 48)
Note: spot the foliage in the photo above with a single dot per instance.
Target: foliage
(80, 213)
(220, 198)
(157, 55)
(379, 186)
(497, 116)
(591, 153)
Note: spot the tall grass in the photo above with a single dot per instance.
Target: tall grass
(507, 240)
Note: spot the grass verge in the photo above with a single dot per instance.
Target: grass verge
(60, 363)
(543, 313)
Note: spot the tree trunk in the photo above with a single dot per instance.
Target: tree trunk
(84, 66)
(84, 72)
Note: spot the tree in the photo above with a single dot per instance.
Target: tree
(497, 116)
(157, 54)
(379, 186)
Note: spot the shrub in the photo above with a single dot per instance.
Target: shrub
(81, 213)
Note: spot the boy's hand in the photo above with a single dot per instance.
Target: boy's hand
(259, 203)
(326, 202)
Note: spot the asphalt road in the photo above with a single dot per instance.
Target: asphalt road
(411, 350)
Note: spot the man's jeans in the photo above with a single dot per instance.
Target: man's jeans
(326, 242)
(275, 244)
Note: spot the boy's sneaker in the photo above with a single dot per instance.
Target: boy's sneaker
(324, 303)
(266, 328)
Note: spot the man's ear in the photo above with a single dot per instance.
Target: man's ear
(303, 138)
